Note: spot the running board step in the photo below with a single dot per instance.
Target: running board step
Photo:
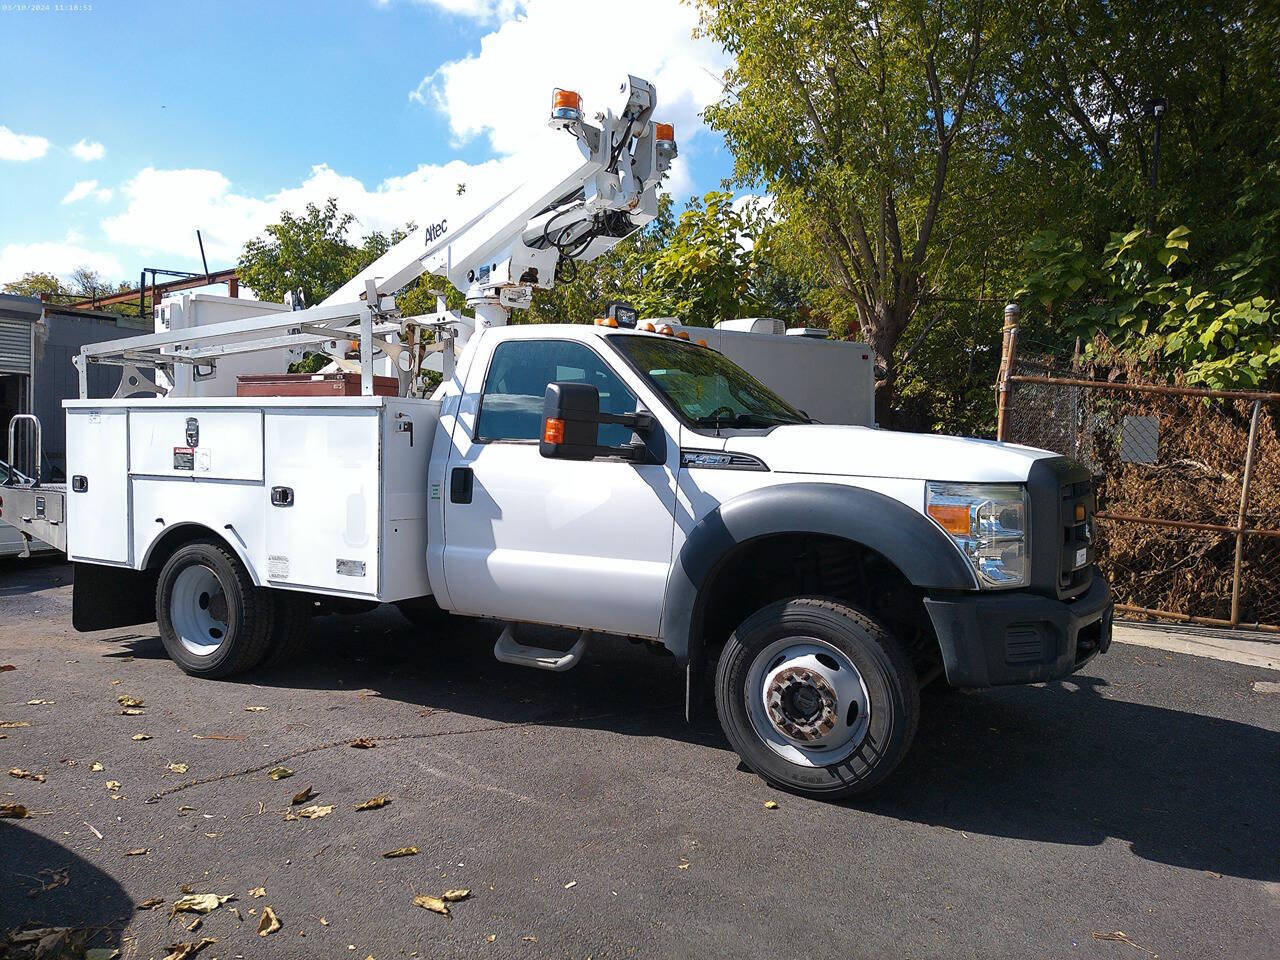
(510, 650)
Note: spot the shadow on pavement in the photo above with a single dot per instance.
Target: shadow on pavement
(90, 902)
(1057, 763)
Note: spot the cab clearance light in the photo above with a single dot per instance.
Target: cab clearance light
(702, 343)
(647, 327)
(606, 322)
(553, 430)
(952, 518)
(666, 330)
(682, 335)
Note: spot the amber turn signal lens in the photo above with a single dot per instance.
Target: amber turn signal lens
(664, 131)
(952, 518)
(553, 430)
(665, 330)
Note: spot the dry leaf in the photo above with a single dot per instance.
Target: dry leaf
(13, 811)
(141, 736)
(280, 773)
(96, 767)
(36, 703)
(1121, 937)
(194, 925)
(140, 852)
(151, 903)
(492, 937)
(364, 743)
(530, 939)
(402, 852)
(373, 803)
(200, 903)
(113, 784)
(6, 667)
(50, 880)
(132, 712)
(434, 904)
(255, 709)
(269, 923)
(258, 892)
(453, 896)
(182, 951)
(324, 922)
(10, 724)
(186, 808)
(178, 767)
(771, 804)
(26, 774)
(235, 737)
(571, 884)
(683, 864)
(315, 812)
(130, 702)
(302, 797)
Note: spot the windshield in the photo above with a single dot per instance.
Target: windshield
(704, 387)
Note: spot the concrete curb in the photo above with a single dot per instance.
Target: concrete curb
(1251, 653)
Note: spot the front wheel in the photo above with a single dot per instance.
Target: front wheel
(817, 697)
(214, 622)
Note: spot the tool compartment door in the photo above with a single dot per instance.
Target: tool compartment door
(98, 485)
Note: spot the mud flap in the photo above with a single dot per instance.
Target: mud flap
(107, 597)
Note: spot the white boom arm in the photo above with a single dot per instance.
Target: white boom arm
(501, 253)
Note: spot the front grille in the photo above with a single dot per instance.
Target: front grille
(1076, 555)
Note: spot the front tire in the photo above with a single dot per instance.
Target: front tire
(213, 621)
(817, 698)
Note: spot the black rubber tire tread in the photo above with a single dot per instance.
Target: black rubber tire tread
(290, 630)
(886, 671)
(424, 613)
(248, 636)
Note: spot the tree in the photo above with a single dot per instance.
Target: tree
(33, 284)
(311, 252)
(859, 118)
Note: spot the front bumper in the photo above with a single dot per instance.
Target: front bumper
(989, 639)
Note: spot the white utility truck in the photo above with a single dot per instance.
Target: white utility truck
(620, 479)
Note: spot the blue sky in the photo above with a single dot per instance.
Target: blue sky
(125, 126)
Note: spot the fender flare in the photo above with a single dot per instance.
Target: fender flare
(906, 538)
(191, 530)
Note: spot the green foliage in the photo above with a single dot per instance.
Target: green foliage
(32, 284)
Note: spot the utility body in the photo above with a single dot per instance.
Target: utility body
(619, 481)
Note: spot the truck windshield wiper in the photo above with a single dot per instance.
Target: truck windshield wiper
(748, 420)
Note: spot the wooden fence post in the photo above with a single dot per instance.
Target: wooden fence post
(1243, 515)
(1008, 358)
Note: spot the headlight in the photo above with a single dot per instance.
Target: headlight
(988, 522)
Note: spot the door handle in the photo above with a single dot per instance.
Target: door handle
(461, 483)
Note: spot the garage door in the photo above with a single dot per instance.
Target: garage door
(15, 346)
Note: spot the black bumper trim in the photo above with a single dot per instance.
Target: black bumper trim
(991, 639)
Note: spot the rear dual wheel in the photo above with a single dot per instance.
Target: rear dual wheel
(214, 622)
(817, 697)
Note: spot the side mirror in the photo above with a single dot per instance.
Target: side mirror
(571, 421)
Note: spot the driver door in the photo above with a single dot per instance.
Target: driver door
(527, 538)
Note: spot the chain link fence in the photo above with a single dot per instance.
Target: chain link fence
(1188, 527)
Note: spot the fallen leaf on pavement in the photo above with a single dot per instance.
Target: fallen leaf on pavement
(132, 712)
(4, 667)
(50, 880)
(315, 812)
(683, 864)
(96, 832)
(492, 937)
(113, 784)
(151, 903)
(236, 737)
(14, 811)
(571, 884)
(373, 803)
(771, 804)
(236, 911)
(258, 892)
(324, 922)
(1121, 937)
(26, 774)
(434, 904)
(364, 743)
(402, 852)
(36, 703)
(178, 767)
(10, 724)
(186, 808)
(130, 702)
(269, 923)
(141, 736)
(200, 903)
(194, 925)
(96, 767)
(140, 852)
(303, 796)
(530, 939)
(254, 709)
(181, 951)
(453, 896)
(280, 773)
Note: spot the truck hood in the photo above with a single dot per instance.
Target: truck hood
(866, 452)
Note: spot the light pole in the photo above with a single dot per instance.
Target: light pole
(1155, 108)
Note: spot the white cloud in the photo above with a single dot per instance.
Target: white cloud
(88, 151)
(20, 147)
(482, 10)
(87, 188)
(504, 91)
(58, 258)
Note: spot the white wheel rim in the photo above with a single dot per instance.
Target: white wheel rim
(198, 610)
(807, 701)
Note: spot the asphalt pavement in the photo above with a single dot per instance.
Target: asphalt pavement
(1132, 811)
